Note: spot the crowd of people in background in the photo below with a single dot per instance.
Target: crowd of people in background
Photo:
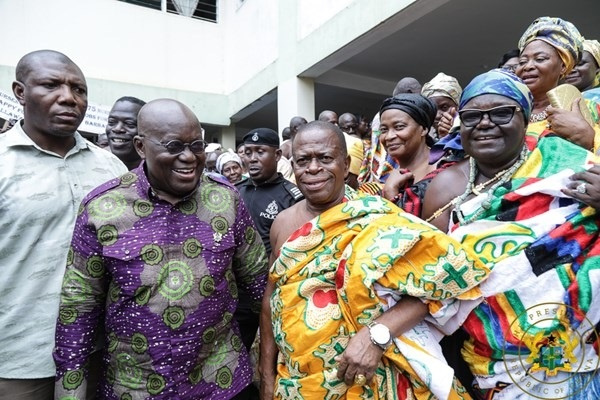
(447, 247)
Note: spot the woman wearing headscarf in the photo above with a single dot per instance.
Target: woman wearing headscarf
(444, 90)
(585, 74)
(405, 121)
(533, 334)
(229, 164)
(550, 48)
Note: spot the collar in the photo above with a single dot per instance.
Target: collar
(16, 137)
(275, 179)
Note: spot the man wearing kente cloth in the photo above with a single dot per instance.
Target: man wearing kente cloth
(359, 291)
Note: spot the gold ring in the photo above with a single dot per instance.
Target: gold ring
(360, 379)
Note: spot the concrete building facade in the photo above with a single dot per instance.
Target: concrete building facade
(264, 61)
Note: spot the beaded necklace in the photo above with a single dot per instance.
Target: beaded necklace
(476, 190)
(503, 177)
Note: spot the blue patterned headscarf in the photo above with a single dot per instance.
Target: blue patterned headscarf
(558, 33)
(502, 82)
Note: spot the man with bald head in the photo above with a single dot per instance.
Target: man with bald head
(407, 85)
(347, 278)
(295, 124)
(328, 116)
(46, 168)
(286, 145)
(348, 124)
(157, 256)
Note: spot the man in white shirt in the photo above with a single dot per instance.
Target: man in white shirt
(46, 168)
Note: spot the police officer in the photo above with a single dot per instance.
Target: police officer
(265, 192)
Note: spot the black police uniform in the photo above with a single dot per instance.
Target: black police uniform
(267, 200)
(264, 202)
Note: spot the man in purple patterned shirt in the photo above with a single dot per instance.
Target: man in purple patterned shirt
(157, 256)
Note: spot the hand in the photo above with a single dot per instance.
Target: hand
(591, 178)
(571, 125)
(395, 182)
(446, 122)
(360, 357)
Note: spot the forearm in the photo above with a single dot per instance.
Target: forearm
(82, 304)
(404, 315)
(361, 356)
(75, 334)
(268, 348)
(249, 262)
(585, 138)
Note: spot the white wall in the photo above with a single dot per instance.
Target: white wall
(117, 41)
(216, 69)
(251, 39)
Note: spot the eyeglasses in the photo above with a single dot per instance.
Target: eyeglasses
(498, 115)
(177, 146)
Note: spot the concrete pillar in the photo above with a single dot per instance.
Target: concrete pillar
(295, 96)
(228, 137)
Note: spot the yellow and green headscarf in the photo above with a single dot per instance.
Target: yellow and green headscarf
(593, 47)
(558, 33)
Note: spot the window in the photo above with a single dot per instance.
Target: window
(199, 9)
(155, 4)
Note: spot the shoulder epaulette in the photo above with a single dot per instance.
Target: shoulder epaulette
(293, 190)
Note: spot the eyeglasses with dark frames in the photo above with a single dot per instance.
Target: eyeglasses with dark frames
(500, 115)
(511, 67)
(175, 147)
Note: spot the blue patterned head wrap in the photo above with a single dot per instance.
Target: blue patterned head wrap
(558, 33)
(502, 82)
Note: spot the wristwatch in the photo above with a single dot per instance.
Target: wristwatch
(380, 335)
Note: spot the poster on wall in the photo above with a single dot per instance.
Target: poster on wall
(94, 121)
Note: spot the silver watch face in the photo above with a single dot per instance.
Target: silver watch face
(380, 334)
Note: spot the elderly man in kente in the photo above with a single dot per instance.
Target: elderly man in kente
(534, 332)
(550, 48)
(352, 280)
(157, 256)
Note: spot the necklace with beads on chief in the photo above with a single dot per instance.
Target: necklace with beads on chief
(501, 178)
